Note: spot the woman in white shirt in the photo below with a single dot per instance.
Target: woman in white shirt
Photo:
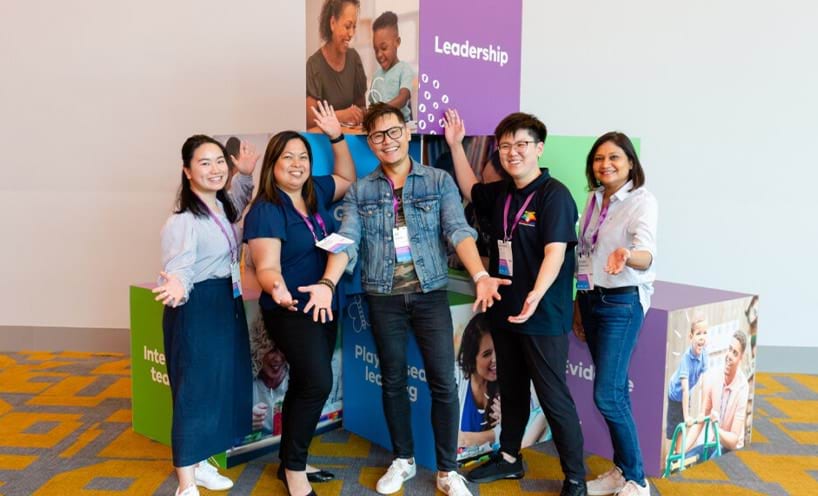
(615, 274)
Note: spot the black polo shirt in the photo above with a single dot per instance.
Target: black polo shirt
(551, 216)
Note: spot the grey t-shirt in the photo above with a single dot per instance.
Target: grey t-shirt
(340, 89)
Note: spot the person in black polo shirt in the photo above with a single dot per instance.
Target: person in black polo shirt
(532, 226)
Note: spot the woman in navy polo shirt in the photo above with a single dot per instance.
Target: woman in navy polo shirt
(615, 274)
(289, 215)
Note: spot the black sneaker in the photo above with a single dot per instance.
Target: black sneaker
(572, 488)
(497, 468)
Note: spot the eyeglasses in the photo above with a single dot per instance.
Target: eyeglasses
(377, 137)
(518, 146)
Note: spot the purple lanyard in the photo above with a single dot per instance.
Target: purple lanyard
(602, 214)
(506, 232)
(232, 243)
(394, 197)
(311, 227)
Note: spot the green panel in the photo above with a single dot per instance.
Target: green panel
(152, 409)
(459, 298)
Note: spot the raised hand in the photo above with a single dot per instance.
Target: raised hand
(326, 119)
(247, 159)
(454, 128)
(171, 292)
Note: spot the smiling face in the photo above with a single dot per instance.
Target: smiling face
(208, 169)
(343, 27)
(386, 41)
(698, 337)
(390, 152)
(292, 168)
(611, 166)
(273, 368)
(519, 153)
(732, 359)
(486, 361)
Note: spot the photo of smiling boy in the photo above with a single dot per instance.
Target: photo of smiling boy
(691, 367)
(393, 79)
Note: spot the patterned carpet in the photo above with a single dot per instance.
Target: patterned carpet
(65, 430)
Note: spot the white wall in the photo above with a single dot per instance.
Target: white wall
(723, 95)
(96, 98)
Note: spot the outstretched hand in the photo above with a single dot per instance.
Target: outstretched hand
(617, 260)
(281, 295)
(171, 292)
(530, 304)
(326, 119)
(247, 159)
(454, 127)
(320, 302)
(487, 291)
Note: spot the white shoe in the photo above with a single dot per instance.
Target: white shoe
(208, 476)
(400, 471)
(632, 488)
(611, 482)
(191, 490)
(453, 484)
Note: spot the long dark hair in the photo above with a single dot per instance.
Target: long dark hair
(187, 200)
(267, 189)
(477, 327)
(636, 174)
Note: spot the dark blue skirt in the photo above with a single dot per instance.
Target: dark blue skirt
(207, 349)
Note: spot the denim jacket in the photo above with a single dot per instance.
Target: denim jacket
(433, 213)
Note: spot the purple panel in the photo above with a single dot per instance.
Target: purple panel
(647, 374)
(673, 296)
(484, 85)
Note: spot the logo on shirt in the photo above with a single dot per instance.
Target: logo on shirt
(529, 218)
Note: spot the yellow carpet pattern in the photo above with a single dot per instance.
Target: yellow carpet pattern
(65, 430)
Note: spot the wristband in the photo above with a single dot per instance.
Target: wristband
(479, 276)
(337, 139)
(326, 282)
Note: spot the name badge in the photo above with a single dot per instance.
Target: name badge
(403, 253)
(585, 273)
(506, 267)
(235, 276)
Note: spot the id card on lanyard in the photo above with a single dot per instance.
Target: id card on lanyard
(400, 235)
(320, 222)
(585, 269)
(506, 258)
(232, 242)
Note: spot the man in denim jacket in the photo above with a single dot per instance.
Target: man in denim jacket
(400, 217)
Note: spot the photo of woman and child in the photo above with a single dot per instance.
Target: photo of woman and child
(361, 55)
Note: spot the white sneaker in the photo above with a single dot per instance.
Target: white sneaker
(611, 482)
(400, 471)
(208, 476)
(453, 484)
(632, 488)
(191, 490)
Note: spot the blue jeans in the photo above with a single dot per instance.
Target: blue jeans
(612, 323)
(428, 315)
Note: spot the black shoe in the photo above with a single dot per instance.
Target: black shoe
(497, 468)
(571, 488)
(283, 478)
(313, 477)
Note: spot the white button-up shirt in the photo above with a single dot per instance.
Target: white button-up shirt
(630, 223)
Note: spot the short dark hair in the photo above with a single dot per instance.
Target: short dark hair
(386, 20)
(186, 199)
(377, 111)
(477, 327)
(267, 188)
(742, 340)
(520, 120)
(331, 9)
(636, 174)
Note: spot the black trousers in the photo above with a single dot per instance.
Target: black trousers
(523, 358)
(308, 348)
